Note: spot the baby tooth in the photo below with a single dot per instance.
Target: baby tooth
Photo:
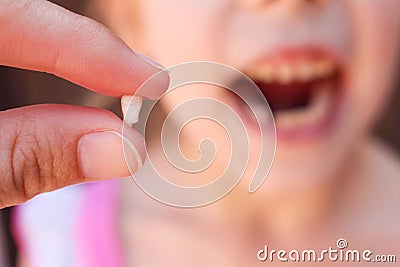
(284, 74)
(265, 73)
(292, 119)
(321, 100)
(252, 74)
(131, 106)
(285, 121)
(306, 72)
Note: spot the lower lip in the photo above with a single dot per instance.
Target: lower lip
(309, 133)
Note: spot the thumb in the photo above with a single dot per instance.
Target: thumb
(46, 147)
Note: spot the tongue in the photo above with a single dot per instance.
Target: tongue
(286, 96)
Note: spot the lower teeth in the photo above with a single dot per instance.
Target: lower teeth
(317, 109)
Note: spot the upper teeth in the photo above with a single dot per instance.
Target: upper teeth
(287, 72)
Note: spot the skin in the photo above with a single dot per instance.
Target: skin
(337, 194)
(323, 187)
(220, 36)
(41, 146)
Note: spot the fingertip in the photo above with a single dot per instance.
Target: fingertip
(157, 83)
(76, 48)
(155, 86)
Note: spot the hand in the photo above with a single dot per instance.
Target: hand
(45, 147)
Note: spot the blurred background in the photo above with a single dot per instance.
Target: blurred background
(21, 88)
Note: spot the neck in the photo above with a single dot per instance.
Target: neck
(284, 213)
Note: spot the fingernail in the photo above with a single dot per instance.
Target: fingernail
(150, 61)
(104, 155)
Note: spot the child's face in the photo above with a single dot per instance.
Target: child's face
(339, 53)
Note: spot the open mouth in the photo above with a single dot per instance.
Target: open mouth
(301, 91)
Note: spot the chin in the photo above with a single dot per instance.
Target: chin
(299, 171)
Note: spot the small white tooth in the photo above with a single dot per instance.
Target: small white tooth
(305, 72)
(257, 74)
(324, 68)
(313, 116)
(291, 119)
(131, 106)
(269, 73)
(321, 100)
(252, 74)
(284, 74)
(285, 120)
(265, 73)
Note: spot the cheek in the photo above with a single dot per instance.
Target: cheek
(177, 31)
(376, 28)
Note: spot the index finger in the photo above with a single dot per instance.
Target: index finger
(39, 35)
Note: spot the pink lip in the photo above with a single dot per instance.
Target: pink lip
(316, 131)
(300, 134)
(327, 124)
(303, 52)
